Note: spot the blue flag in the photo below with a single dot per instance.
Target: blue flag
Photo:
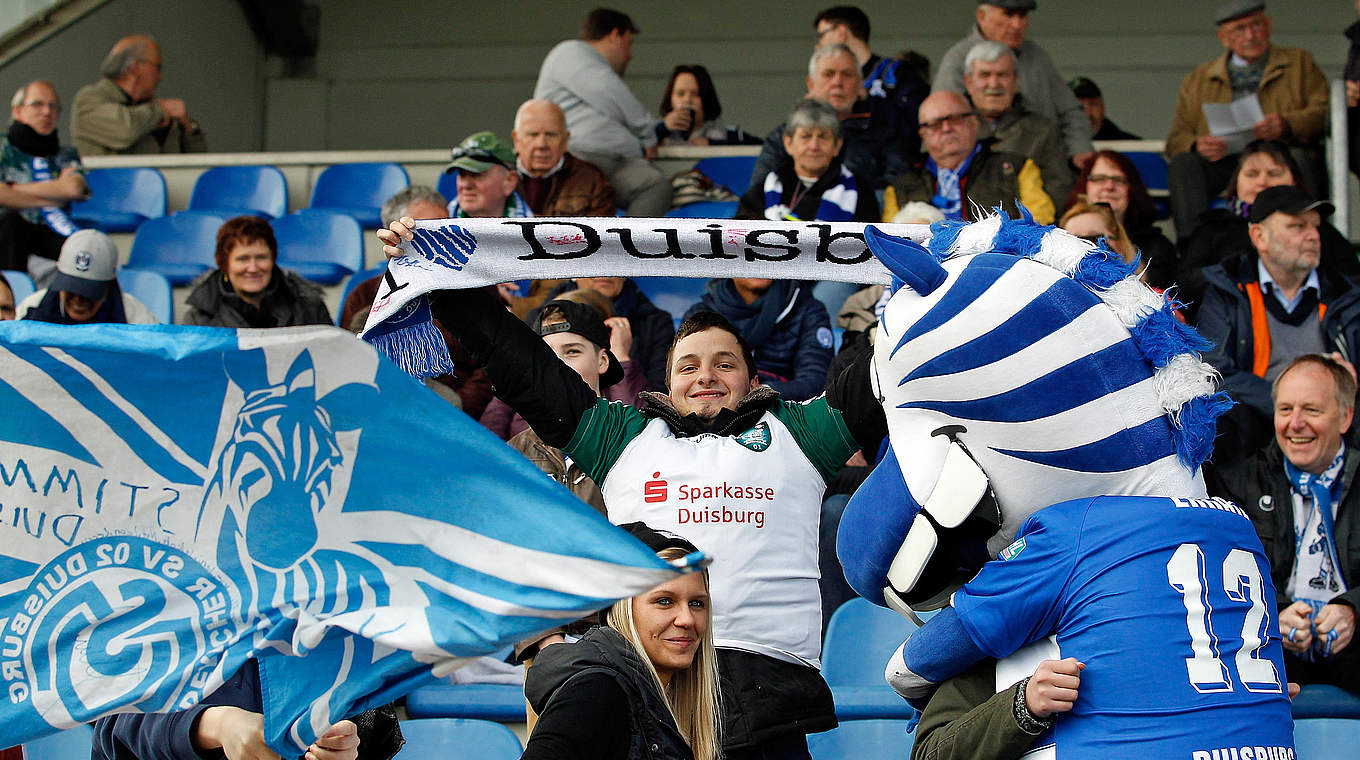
(175, 501)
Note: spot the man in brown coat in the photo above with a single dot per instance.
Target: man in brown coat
(1287, 81)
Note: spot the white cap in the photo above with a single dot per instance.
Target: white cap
(88, 263)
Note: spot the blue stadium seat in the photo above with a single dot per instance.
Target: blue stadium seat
(1318, 738)
(152, 289)
(179, 246)
(20, 283)
(1151, 168)
(863, 740)
(484, 701)
(353, 282)
(452, 737)
(1318, 700)
(121, 199)
(859, 640)
(673, 294)
(72, 743)
(358, 190)
(448, 185)
(732, 172)
(237, 190)
(705, 210)
(322, 246)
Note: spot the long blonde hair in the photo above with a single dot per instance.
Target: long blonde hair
(1119, 242)
(692, 695)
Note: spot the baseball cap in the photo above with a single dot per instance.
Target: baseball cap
(1011, 5)
(88, 264)
(1084, 88)
(582, 320)
(1288, 199)
(1235, 9)
(481, 151)
(657, 540)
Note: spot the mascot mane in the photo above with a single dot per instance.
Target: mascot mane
(1019, 366)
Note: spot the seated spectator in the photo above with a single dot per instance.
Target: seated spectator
(40, 177)
(247, 289)
(870, 149)
(789, 331)
(121, 113)
(1274, 302)
(690, 111)
(552, 181)
(1113, 180)
(1045, 91)
(1093, 221)
(487, 178)
(6, 299)
(1292, 91)
(468, 382)
(84, 290)
(502, 420)
(1300, 496)
(652, 328)
(1093, 103)
(902, 87)
(608, 126)
(1221, 233)
(963, 176)
(811, 183)
(989, 77)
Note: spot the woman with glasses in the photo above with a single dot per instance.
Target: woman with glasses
(1113, 180)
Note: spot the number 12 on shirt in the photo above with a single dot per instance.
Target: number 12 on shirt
(1242, 582)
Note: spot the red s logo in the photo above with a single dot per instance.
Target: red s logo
(654, 490)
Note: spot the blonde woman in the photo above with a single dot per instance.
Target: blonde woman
(645, 685)
(1094, 221)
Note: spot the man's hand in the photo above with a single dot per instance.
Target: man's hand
(1053, 687)
(175, 110)
(1339, 618)
(339, 742)
(1272, 127)
(1212, 148)
(238, 733)
(72, 183)
(1083, 159)
(1339, 359)
(620, 337)
(1296, 628)
(395, 234)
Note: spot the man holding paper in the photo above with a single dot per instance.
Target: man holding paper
(1289, 93)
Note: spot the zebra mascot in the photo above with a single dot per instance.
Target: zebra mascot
(1046, 410)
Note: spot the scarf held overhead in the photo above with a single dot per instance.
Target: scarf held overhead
(178, 500)
(466, 253)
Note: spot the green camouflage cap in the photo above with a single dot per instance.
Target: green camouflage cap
(480, 152)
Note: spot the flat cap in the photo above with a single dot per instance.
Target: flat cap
(1235, 9)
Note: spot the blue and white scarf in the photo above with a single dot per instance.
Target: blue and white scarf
(1316, 578)
(837, 203)
(948, 185)
(54, 216)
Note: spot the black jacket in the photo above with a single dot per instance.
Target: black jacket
(597, 700)
(752, 204)
(872, 147)
(288, 301)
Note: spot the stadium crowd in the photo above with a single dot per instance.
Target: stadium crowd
(1244, 248)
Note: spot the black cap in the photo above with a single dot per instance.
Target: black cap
(1235, 9)
(1084, 88)
(1287, 199)
(1011, 5)
(656, 540)
(586, 322)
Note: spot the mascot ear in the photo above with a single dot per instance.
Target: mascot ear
(910, 261)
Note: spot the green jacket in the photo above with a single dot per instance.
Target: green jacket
(967, 719)
(104, 121)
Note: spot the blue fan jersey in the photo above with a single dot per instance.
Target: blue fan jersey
(1170, 605)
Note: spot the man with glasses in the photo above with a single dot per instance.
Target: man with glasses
(120, 113)
(1292, 91)
(39, 177)
(961, 175)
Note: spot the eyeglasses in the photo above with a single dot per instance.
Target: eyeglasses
(1255, 24)
(39, 105)
(476, 154)
(1100, 179)
(953, 120)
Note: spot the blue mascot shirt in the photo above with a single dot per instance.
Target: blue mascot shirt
(1170, 605)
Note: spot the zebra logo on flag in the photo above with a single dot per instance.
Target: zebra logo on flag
(176, 501)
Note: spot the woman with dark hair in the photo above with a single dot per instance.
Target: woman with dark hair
(690, 111)
(1113, 180)
(1221, 233)
(247, 289)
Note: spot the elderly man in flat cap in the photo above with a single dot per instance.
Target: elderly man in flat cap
(1293, 95)
(1045, 91)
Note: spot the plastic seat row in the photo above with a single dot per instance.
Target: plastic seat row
(150, 288)
(122, 199)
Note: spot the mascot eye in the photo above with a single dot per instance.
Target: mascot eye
(254, 482)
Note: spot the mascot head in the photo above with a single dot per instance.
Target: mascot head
(1019, 366)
